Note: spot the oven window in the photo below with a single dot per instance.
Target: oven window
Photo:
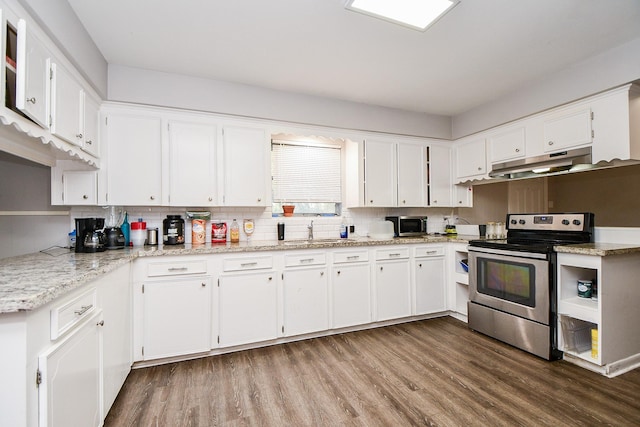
(511, 281)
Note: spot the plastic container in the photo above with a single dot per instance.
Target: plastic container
(198, 231)
(576, 334)
(173, 230)
(138, 233)
(235, 232)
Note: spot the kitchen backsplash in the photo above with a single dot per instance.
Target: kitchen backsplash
(266, 224)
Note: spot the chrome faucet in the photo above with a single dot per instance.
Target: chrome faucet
(310, 228)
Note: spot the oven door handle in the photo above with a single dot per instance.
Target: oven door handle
(507, 252)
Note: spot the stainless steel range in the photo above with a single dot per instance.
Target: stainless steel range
(512, 281)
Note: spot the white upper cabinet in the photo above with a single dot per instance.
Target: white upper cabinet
(246, 166)
(192, 148)
(134, 158)
(567, 129)
(412, 176)
(91, 121)
(80, 187)
(380, 183)
(67, 106)
(32, 76)
(471, 159)
(440, 188)
(507, 144)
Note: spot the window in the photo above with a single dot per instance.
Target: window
(306, 175)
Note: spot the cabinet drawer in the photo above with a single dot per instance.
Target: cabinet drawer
(68, 314)
(392, 253)
(428, 251)
(176, 268)
(253, 263)
(314, 258)
(350, 256)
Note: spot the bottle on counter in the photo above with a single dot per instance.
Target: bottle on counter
(344, 229)
(235, 232)
(126, 229)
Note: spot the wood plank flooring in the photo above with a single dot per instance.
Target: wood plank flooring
(434, 372)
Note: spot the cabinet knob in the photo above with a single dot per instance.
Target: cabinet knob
(550, 143)
(204, 284)
(210, 198)
(420, 265)
(152, 197)
(338, 272)
(79, 135)
(435, 201)
(259, 199)
(404, 201)
(85, 197)
(517, 150)
(100, 323)
(321, 273)
(460, 201)
(31, 100)
(479, 168)
(88, 142)
(270, 278)
(370, 201)
(381, 268)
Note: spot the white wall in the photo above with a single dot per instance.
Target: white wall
(135, 85)
(612, 68)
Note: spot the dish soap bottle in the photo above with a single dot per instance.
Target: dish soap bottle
(235, 232)
(125, 229)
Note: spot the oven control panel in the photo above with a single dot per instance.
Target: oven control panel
(551, 222)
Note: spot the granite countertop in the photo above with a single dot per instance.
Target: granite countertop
(31, 281)
(599, 249)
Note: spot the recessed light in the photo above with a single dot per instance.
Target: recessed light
(416, 14)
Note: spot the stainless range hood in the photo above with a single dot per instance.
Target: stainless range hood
(545, 165)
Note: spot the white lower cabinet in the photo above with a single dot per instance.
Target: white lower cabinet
(350, 289)
(69, 392)
(248, 308)
(306, 300)
(429, 273)
(392, 283)
(177, 317)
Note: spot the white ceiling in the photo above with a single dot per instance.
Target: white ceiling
(480, 51)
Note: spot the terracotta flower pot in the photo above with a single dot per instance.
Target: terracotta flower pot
(288, 210)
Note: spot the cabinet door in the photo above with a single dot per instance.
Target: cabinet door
(67, 109)
(246, 160)
(440, 187)
(430, 285)
(412, 178)
(69, 394)
(463, 196)
(507, 145)
(192, 162)
(91, 118)
(393, 289)
(306, 301)
(134, 170)
(471, 159)
(248, 309)
(380, 174)
(32, 76)
(177, 317)
(115, 299)
(80, 188)
(351, 295)
(568, 129)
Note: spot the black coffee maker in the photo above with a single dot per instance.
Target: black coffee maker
(90, 236)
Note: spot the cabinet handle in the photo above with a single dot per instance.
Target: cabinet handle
(100, 323)
(306, 260)
(353, 257)
(85, 197)
(394, 255)
(88, 142)
(178, 268)
(432, 252)
(248, 264)
(550, 143)
(83, 309)
(79, 136)
(31, 100)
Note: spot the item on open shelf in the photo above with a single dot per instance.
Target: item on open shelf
(288, 210)
(584, 288)
(576, 334)
(465, 265)
(594, 343)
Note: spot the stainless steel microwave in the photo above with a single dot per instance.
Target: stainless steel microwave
(407, 226)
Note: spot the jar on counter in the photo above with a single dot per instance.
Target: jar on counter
(173, 230)
(138, 233)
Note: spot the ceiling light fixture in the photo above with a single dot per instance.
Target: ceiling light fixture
(416, 14)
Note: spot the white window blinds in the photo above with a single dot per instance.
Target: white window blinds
(305, 173)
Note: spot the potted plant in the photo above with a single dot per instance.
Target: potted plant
(288, 210)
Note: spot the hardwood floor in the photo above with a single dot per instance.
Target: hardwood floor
(431, 372)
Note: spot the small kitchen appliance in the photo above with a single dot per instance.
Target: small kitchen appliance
(512, 281)
(408, 226)
(113, 231)
(90, 235)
